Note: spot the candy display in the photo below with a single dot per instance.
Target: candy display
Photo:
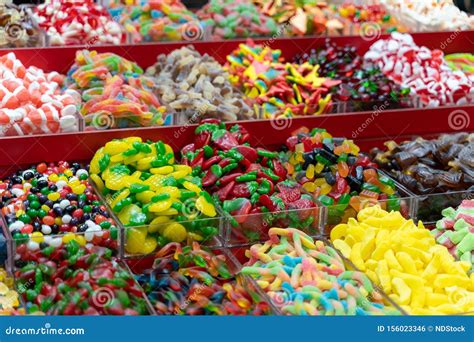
(430, 79)
(195, 87)
(47, 206)
(17, 28)
(281, 89)
(148, 190)
(32, 101)
(234, 19)
(194, 281)
(244, 179)
(455, 231)
(114, 91)
(333, 170)
(306, 277)
(404, 259)
(306, 17)
(461, 61)
(157, 20)
(78, 22)
(76, 280)
(362, 88)
(9, 300)
(442, 15)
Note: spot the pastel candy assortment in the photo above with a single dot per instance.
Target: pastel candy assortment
(333, 171)
(281, 89)
(455, 231)
(157, 20)
(32, 101)
(229, 19)
(114, 92)
(405, 260)
(77, 280)
(306, 277)
(194, 281)
(424, 71)
(78, 22)
(47, 206)
(146, 189)
(441, 15)
(196, 87)
(461, 61)
(17, 28)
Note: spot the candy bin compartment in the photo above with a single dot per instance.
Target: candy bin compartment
(77, 280)
(195, 280)
(314, 294)
(147, 239)
(48, 121)
(102, 121)
(18, 28)
(401, 200)
(429, 207)
(243, 230)
(376, 107)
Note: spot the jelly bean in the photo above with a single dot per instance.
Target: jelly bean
(334, 170)
(196, 86)
(78, 280)
(420, 69)
(195, 281)
(77, 23)
(32, 102)
(455, 231)
(65, 214)
(149, 191)
(281, 89)
(307, 277)
(404, 259)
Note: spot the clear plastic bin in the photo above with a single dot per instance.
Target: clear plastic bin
(429, 207)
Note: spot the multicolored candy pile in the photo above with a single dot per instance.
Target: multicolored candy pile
(333, 170)
(157, 20)
(114, 92)
(244, 179)
(194, 281)
(423, 71)
(361, 87)
(32, 101)
(75, 280)
(158, 200)
(47, 206)
(78, 22)
(17, 28)
(404, 259)
(461, 61)
(281, 89)
(455, 231)
(229, 19)
(306, 277)
(195, 87)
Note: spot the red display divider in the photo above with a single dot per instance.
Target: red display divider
(368, 129)
(61, 58)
